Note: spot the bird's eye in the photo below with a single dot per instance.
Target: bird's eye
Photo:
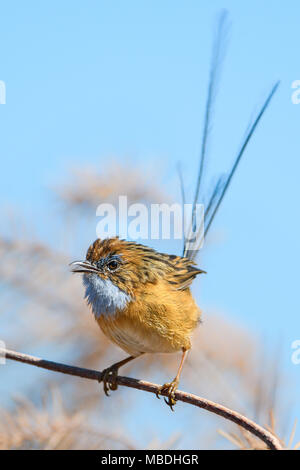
(112, 265)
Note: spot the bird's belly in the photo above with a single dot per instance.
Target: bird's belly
(135, 338)
(157, 322)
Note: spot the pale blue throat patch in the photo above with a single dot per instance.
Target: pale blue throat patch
(103, 295)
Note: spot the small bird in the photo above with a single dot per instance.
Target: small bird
(141, 300)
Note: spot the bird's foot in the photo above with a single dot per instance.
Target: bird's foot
(170, 389)
(109, 377)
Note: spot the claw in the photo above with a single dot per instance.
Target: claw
(109, 376)
(170, 389)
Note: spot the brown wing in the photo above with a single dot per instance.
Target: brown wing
(183, 273)
(142, 264)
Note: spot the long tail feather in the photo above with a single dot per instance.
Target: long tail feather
(239, 156)
(223, 182)
(215, 69)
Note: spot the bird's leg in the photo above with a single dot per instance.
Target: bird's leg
(110, 374)
(171, 387)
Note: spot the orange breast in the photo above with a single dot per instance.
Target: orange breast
(159, 319)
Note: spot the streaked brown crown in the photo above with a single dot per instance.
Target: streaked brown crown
(141, 264)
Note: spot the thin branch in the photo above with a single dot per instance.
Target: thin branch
(267, 437)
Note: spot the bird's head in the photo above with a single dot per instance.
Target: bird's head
(114, 270)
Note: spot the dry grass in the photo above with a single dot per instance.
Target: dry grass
(246, 441)
(42, 307)
(51, 427)
(86, 187)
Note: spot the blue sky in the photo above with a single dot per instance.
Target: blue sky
(87, 80)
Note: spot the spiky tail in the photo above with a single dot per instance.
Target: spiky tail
(224, 181)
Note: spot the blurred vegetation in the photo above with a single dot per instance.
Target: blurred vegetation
(42, 311)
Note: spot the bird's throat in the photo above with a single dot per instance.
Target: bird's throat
(104, 297)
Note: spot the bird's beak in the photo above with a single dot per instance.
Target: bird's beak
(83, 267)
